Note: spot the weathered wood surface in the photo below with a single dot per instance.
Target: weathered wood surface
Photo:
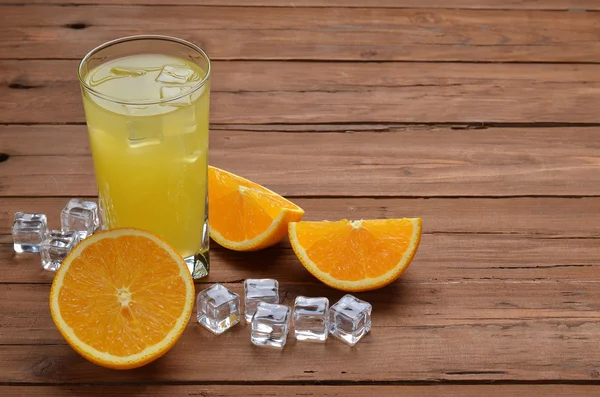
(481, 117)
(537, 217)
(441, 257)
(487, 322)
(36, 91)
(258, 390)
(556, 5)
(407, 161)
(310, 33)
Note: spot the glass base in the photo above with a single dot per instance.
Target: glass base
(198, 265)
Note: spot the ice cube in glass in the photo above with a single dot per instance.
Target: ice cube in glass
(28, 231)
(56, 246)
(80, 216)
(167, 92)
(350, 319)
(173, 74)
(270, 325)
(310, 318)
(259, 290)
(143, 131)
(218, 308)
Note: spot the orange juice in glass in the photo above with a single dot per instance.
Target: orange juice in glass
(146, 101)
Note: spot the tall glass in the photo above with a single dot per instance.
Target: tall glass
(146, 101)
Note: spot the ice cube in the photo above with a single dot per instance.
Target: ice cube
(81, 216)
(188, 119)
(127, 71)
(270, 325)
(144, 131)
(135, 110)
(56, 246)
(171, 74)
(28, 231)
(218, 308)
(259, 290)
(167, 92)
(350, 319)
(101, 76)
(310, 318)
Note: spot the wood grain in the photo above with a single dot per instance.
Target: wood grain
(562, 5)
(338, 92)
(428, 356)
(304, 390)
(405, 160)
(444, 331)
(543, 217)
(409, 303)
(336, 106)
(310, 33)
(506, 239)
(450, 257)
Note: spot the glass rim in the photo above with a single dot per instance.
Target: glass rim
(121, 40)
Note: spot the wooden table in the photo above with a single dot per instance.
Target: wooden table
(480, 116)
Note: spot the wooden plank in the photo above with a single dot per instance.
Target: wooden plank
(514, 239)
(44, 140)
(555, 5)
(338, 92)
(539, 217)
(310, 33)
(411, 304)
(450, 257)
(493, 330)
(493, 162)
(305, 390)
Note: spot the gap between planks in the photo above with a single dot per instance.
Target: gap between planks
(350, 127)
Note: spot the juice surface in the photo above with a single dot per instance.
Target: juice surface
(151, 158)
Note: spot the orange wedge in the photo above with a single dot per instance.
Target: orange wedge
(122, 298)
(356, 255)
(245, 216)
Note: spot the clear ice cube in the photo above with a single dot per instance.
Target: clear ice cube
(28, 231)
(310, 318)
(270, 325)
(188, 120)
(56, 246)
(218, 308)
(144, 131)
(171, 74)
(81, 216)
(136, 110)
(259, 290)
(167, 92)
(350, 319)
(127, 71)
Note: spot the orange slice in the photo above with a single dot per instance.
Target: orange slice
(356, 255)
(122, 298)
(245, 216)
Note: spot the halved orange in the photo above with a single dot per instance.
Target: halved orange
(122, 298)
(245, 216)
(356, 255)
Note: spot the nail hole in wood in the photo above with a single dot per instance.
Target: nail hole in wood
(20, 86)
(76, 26)
(3, 157)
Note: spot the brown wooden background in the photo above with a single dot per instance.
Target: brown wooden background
(480, 116)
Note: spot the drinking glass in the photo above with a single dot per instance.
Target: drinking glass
(146, 101)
